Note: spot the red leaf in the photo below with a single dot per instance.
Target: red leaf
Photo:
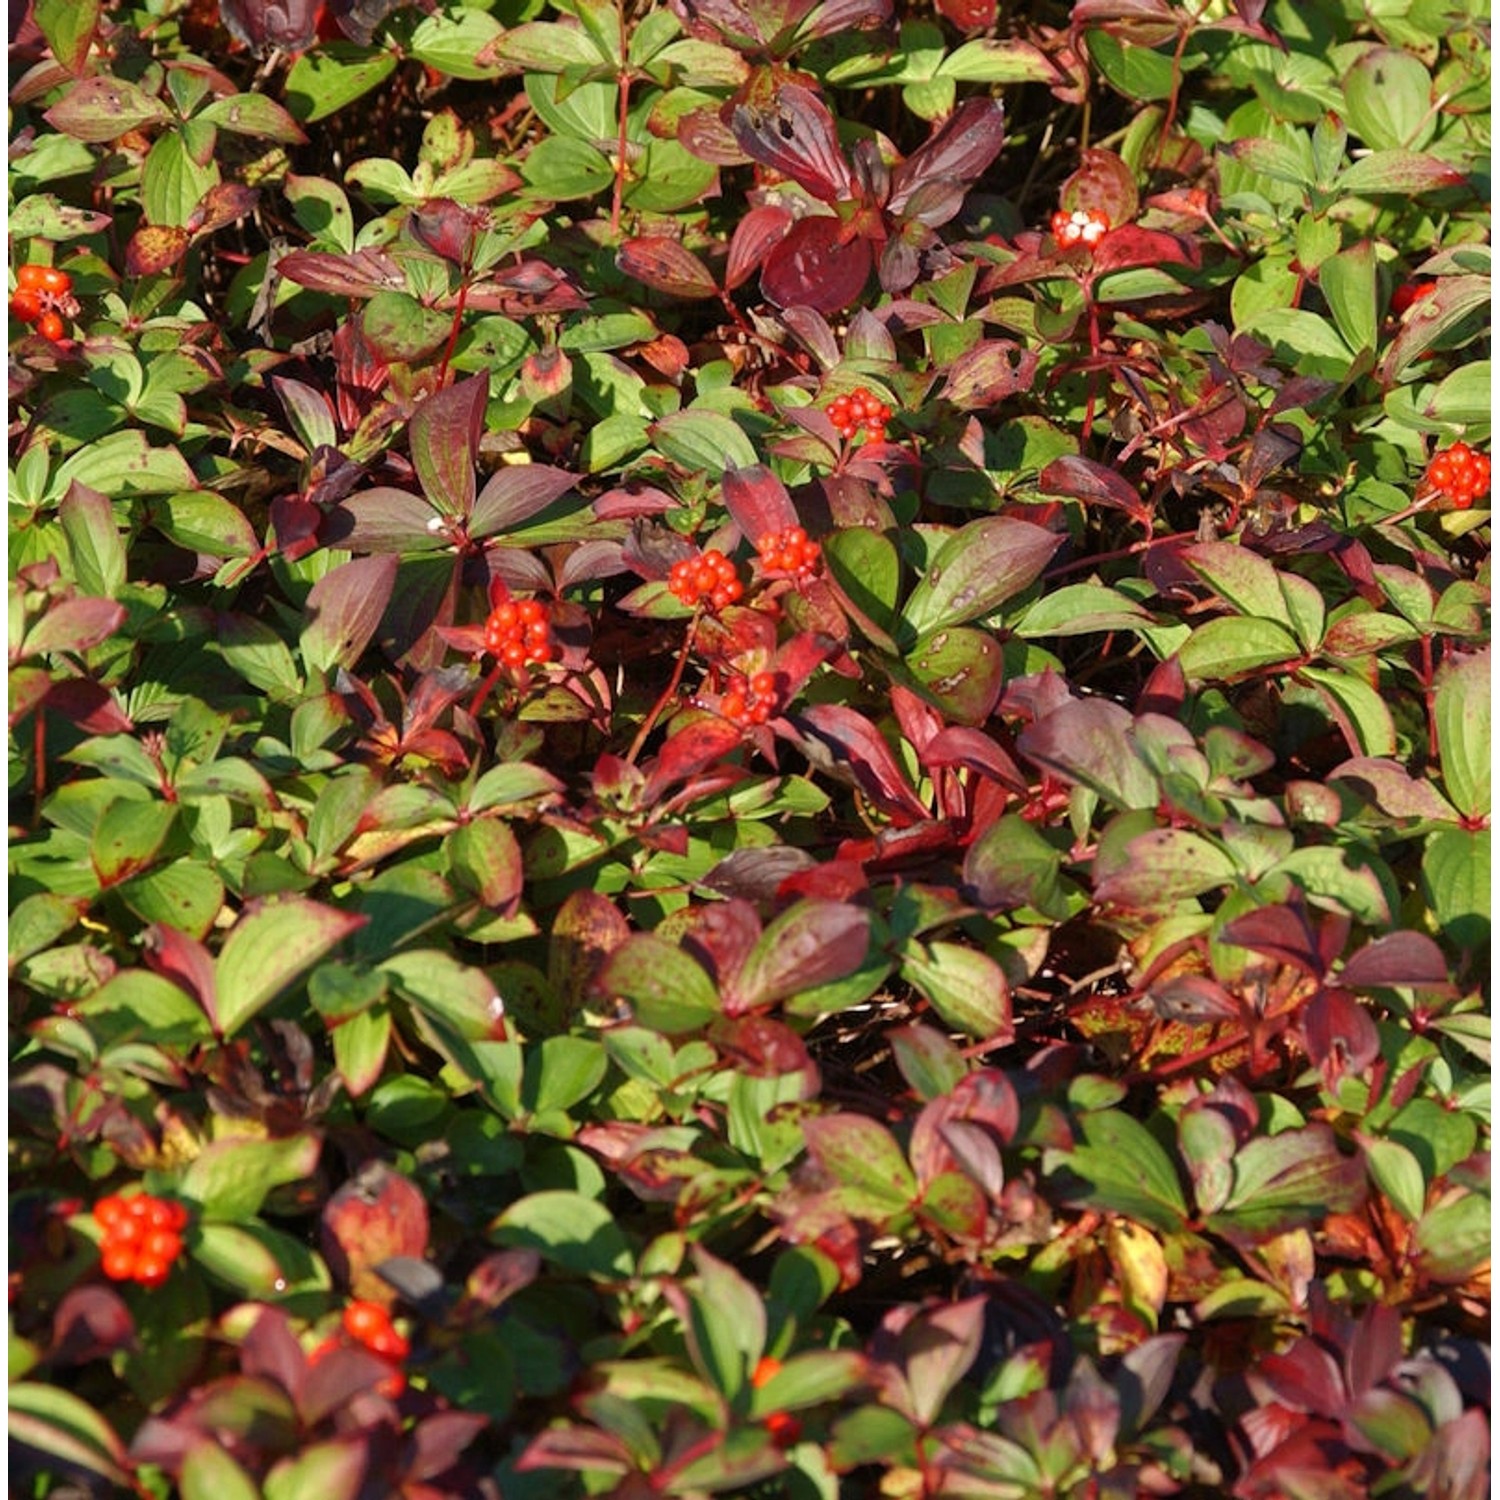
(758, 502)
(1130, 245)
(514, 494)
(687, 752)
(811, 267)
(87, 704)
(374, 1216)
(1341, 1038)
(842, 738)
(444, 434)
(811, 943)
(1400, 958)
(360, 274)
(666, 264)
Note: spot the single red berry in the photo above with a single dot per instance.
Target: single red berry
(1409, 292)
(25, 305)
(109, 1211)
(151, 1270)
(161, 1244)
(783, 1428)
(765, 1371)
(51, 327)
(31, 277)
(364, 1320)
(392, 1386)
(118, 1260)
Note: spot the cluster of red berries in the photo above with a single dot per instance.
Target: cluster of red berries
(781, 1426)
(142, 1237)
(789, 551)
(517, 632)
(857, 412)
(751, 701)
(710, 576)
(39, 290)
(1409, 292)
(1083, 226)
(369, 1324)
(1460, 475)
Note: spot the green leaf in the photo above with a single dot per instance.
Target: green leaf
(454, 43)
(1452, 1240)
(1294, 1178)
(991, 60)
(175, 179)
(976, 570)
(1355, 706)
(958, 670)
(1398, 1174)
(268, 949)
(561, 169)
(666, 989)
(1308, 343)
(202, 521)
(1456, 884)
(68, 26)
(326, 78)
(359, 1049)
(104, 108)
(333, 1470)
(574, 1232)
(1345, 878)
(703, 442)
(230, 1178)
(253, 115)
(255, 651)
(863, 1164)
(1461, 718)
(867, 568)
(1124, 1170)
(1226, 648)
(1404, 173)
(185, 894)
(209, 1473)
(61, 1425)
(94, 541)
(967, 988)
(128, 836)
(561, 1071)
(1388, 99)
(1348, 282)
(401, 330)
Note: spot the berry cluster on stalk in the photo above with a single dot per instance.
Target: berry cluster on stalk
(142, 1237)
(518, 632)
(789, 551)
(859, 411)
(38, 299)
(1460, 475)
(710, 577)
(750, 701)
(1083, 226)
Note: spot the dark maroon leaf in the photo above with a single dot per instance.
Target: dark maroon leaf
(448, 228)
(1407, 959)
(1279, 932)
(438, 1440)
(1306, 1378)
(668, 265)
(1374, 1348)
(960, 151)
(88, 704)
(514, 494)
(1193, 998)
(816, 266)
(358, 19)
(91, 1322)
(271, 1351)
(796, 137)
(1092, 483)
(224, 203)
(585, 1449)
(758, 502)
(960, 746)
(289, 25)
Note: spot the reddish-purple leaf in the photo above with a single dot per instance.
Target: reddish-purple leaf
(186, 962)
(1087, 740)
(988, 373)
(584, 1449)
(344, 608)
(843, 740)
(668, 265)
(74, 625)
(1408, 959)
(1092, 483)
(758, 502)
(1282, 933)
(359, 274)
(959, 746)
(763, 1048)
(1341, 1038)
(1103, 183)
(222, 204)
(386, 520)
(289, 25)
(796, 137)
(1306, 1378)
(959, 153)
(445, 431)
(812, 943)
(514, 494)
(815, 267)
(377, 1214)
(91, 1322)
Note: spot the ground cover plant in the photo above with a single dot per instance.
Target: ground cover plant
(749, 749)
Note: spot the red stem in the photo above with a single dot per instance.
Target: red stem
(670, 692)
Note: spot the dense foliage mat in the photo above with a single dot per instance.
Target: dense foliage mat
(749, 749)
